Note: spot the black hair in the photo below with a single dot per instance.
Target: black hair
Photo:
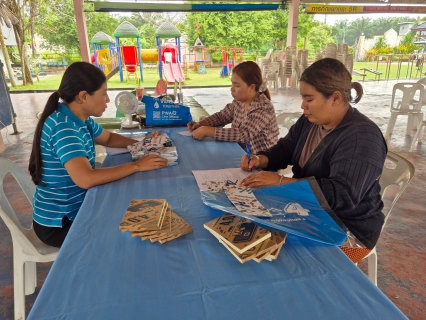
(79, 76)
(250, 73)
(329, 75)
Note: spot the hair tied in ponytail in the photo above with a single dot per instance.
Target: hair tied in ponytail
(263, 87)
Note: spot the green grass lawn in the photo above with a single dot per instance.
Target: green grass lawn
(407, 70)
(150, 76)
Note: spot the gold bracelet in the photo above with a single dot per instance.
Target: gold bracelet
(279, 182)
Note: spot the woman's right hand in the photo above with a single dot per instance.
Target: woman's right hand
(151, 162)
(193, 126)
(254, 163)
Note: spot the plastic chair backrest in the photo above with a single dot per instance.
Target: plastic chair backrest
(275, 67)
(400, 174)
(269, 54)
(18, 231)
(129, 55)
(287, 119)
(409, 90)
(423, 82)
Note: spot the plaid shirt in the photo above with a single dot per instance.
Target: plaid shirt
(258, 127)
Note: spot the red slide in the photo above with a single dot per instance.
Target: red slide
(173, 72)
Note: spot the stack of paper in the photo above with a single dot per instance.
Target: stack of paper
(153, 219)
(160, 144)
(245, 240)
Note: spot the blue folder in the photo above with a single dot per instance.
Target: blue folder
(295, 209)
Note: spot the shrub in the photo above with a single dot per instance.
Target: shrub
(371, 54)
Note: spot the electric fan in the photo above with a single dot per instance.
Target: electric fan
(127, 103)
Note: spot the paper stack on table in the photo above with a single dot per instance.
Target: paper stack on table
(153, 219)
(160, 144)
(245, 240)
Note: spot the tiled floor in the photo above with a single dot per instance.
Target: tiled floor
(401, 253)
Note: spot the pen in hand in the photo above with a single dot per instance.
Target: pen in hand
(248, 152)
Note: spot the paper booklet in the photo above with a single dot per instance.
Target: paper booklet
(132, 135)
(160, 145)
(245, 201)
(258, 250)
(154, 219)
(218, 180)
(238, 233)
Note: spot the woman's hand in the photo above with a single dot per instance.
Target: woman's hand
(193, 126)
(261, 179)
(256, 162)
(151, 162)
(153, 134)
(203, 132)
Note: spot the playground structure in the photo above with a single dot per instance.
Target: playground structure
(104, 58)
(228, 65)
(169, 55)
(199, 57)
(231, 56)
(129, 57)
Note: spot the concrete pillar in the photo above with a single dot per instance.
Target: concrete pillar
(82, 30)
(293, 22)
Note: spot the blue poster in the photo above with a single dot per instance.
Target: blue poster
(294, 209)
(165, 113)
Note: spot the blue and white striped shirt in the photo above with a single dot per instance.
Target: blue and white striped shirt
(64, 137)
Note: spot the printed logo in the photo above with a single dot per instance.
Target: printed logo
(156, 105)
(294, 207)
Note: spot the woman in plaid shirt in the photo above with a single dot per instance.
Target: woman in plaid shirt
(251, 113)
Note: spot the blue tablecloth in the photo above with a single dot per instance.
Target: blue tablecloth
(103, 273)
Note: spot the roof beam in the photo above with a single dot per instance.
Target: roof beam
(175, 7)
(355, 2)
(342, 9)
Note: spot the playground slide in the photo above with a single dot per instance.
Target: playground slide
(172, 72)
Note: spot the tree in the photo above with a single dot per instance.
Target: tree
(340, 30)
(381, 25)
(380, 43)
(319, 36)
(358, 27)
(7, 18)
(56, 24)
(240, 29)
(20, 29)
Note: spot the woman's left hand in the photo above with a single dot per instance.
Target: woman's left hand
(261, 179)
(202, 132)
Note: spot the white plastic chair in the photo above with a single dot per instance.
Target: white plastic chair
(419, 104)
(285, 121)
(405, 105)
(27, 248)
(272, 75)
(418, 136)
(400, 174)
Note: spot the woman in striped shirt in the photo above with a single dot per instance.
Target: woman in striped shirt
(62, 161)
(251, 113)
